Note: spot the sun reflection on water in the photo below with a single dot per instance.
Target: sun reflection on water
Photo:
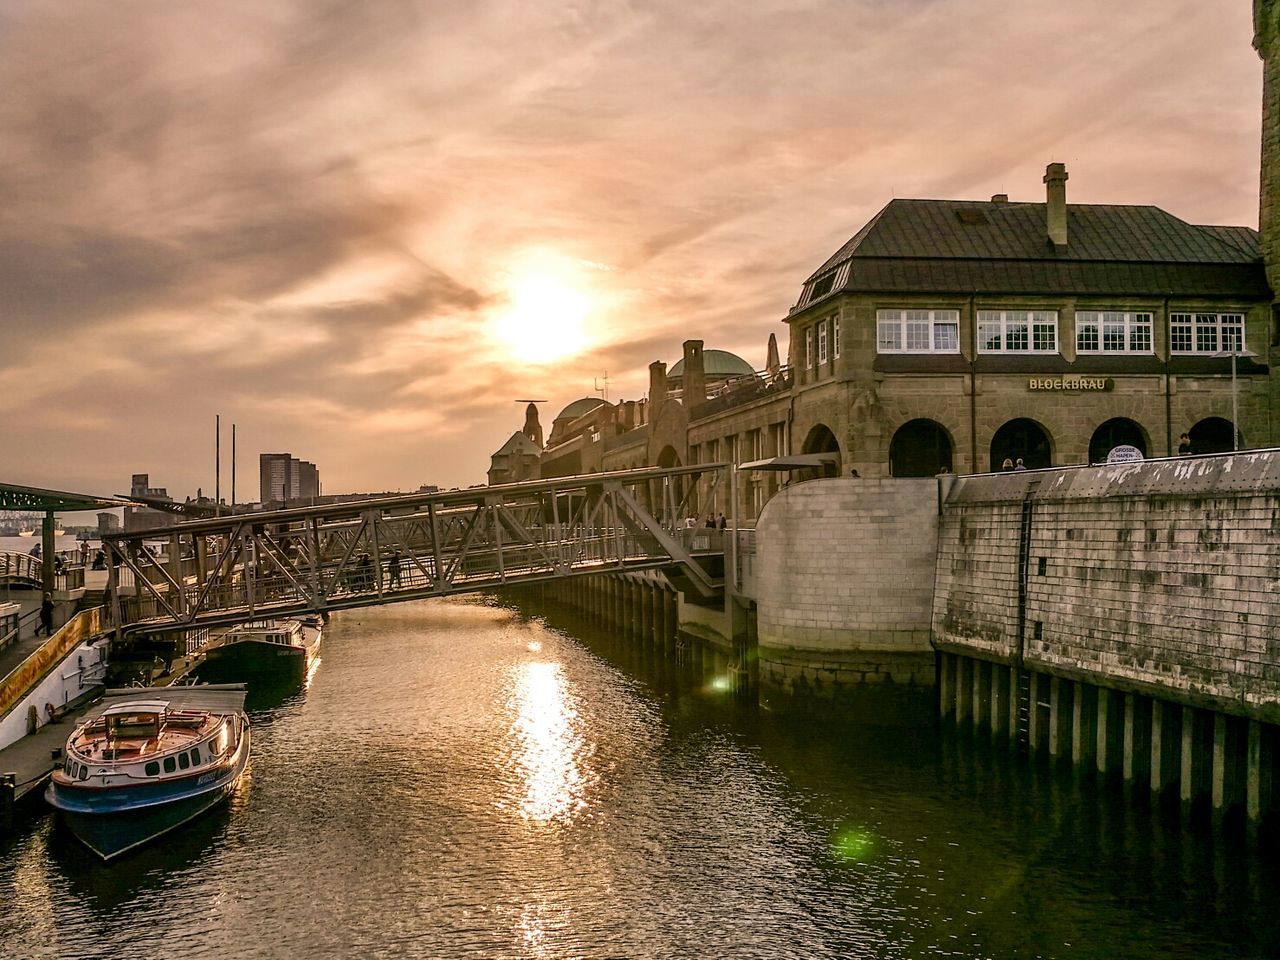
(550, 751)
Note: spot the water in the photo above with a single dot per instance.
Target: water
(462, 781)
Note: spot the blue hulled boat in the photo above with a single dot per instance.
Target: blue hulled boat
(146, 761)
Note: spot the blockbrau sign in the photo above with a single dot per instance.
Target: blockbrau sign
(1070, 383)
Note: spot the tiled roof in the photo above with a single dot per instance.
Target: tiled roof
(981, 246)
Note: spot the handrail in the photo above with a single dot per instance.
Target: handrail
(27, 674)
(19, 566)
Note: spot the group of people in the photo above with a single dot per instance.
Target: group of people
(713, 522)
(1011, 465)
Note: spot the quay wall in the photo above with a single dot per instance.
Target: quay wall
(843, 584)
(1159, 577)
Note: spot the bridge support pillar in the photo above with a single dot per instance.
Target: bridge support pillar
(1257, 788)
(981, 685)
(1164, 746)
(1137, 733)
(1187, 772)
(646, 615)
(946, 684)
(1057, 700)
(671, 618)
(636, 617)
(999, 700)
(964, 674)
(1035, 728)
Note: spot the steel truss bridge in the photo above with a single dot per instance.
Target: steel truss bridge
(228, 570)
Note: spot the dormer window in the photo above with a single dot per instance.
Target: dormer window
(821, 287)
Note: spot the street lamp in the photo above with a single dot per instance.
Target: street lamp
(1237, 350)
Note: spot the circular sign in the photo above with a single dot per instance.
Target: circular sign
(1124, 454)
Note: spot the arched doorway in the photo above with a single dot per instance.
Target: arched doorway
(1116, 432)
(920, 448)
(820, 439)
(1212, 435)
(668, 457)
(1021, 438)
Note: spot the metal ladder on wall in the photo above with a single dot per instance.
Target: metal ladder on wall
(1022, 732)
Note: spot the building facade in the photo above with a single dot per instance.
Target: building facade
(282, 478)
(965, 336)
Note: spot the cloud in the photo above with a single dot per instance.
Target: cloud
(306, 215)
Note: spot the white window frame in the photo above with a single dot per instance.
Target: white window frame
(1008, 321)
(1130, 323)
(835, 336)
(822, 342)
(898, 322)
(1196, 324)
(808, 348)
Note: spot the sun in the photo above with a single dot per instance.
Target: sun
(545, 321)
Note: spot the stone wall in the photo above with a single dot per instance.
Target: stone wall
(1161, 577)
(844, 575)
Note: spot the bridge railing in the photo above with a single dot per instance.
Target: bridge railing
(19, 566)
(274, 563)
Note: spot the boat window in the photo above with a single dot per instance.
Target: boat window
(169, 765)
(195, 756)
(83, 774)
(184, 761)
(152, 769)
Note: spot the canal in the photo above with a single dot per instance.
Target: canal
(462, 780)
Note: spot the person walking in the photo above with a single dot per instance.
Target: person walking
(1007, 465)
(722, 523)
(1184, 445)
(1019, 465)
(46, 616)
(393, 571)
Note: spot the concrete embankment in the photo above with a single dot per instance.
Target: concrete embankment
(1122, 619)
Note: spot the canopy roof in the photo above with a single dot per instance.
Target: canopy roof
(16, 497)
(799, 461)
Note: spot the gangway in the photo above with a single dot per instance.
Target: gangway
(227, 570)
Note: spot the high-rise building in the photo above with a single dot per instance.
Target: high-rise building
(274, 482)
(283, 478)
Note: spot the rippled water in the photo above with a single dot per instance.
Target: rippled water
(462, 781)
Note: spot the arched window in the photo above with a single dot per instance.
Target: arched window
(920, 448)
(668, 457)
(1211, 435)
(1024, 440)
(1116, 432)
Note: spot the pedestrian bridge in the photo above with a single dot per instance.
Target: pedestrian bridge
(228, 570)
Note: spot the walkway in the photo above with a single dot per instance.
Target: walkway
(336, 556)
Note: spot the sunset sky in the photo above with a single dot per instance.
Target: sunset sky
(360, 231)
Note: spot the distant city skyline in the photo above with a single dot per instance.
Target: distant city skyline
(362, 232)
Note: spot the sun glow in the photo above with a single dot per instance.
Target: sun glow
(546, 319)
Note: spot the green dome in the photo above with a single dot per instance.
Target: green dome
(578, 408)
(716, 363)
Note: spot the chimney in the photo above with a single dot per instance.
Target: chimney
(695, 376)
(657, 389)
(1055, 178)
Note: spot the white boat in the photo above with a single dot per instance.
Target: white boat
(146, 761)
(26, 533)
